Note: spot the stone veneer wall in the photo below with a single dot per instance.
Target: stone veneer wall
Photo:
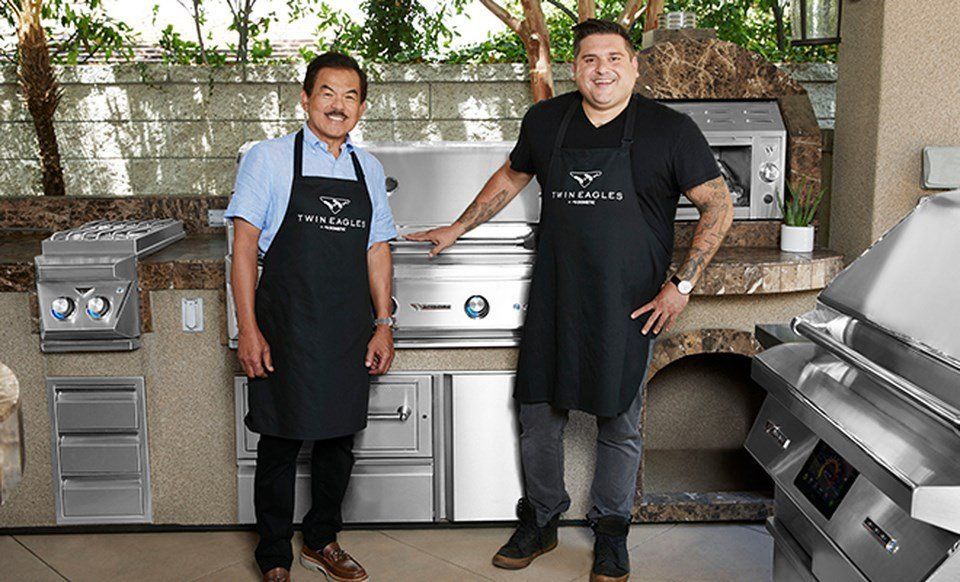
(155, 129)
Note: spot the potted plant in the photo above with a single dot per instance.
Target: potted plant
(797, 232)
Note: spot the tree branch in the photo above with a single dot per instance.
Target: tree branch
(586, 9)
(500, 12)
(631, 9)
(564, 9)
(652, 17)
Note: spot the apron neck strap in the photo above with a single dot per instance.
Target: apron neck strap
(298, 155)
(357, 170)
(628, 131)
(562, 132)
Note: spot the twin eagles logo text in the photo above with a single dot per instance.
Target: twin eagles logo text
(586, 197)
(334, 223)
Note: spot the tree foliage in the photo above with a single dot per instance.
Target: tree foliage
(401, 31)
(77, 31)
(748, 23)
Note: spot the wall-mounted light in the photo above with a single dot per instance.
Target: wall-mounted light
(815, 22)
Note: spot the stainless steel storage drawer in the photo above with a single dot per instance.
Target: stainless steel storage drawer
(100, 458)
(380, 491)
(96, 410)
(107, 500)
(399, 420)
(94, 455)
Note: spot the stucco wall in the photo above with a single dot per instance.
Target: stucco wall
(154, 129)
(900, 91)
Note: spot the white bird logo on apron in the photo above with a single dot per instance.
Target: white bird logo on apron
(334, 204)
(585, 178)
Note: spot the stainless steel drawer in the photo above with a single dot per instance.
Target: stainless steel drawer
(399, 421)
(96, 411)
(379, 492)
(400, 418)
(96, 455)
(101, 500)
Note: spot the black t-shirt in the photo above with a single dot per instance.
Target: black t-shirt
(669, 153)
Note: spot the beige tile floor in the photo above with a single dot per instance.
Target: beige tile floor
(661, 553)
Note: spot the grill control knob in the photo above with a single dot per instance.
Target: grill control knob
(98, 307)
(769, 172)
(61, 307)
(477, 307)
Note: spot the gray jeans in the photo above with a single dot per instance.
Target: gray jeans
(619, 448)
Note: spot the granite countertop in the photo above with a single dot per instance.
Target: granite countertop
(196, 262)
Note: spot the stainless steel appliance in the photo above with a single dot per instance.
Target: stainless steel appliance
(87, 283)
(861, 427)
(475, 293)
(101, 463)
(394, 476)
(437, 447)
(749, 142)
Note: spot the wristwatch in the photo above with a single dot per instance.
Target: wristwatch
(683, 286)
(391, 321)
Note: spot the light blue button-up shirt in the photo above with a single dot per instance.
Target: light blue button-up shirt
(265, 177)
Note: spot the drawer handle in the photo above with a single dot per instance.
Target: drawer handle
(402, 414)
(774, 431)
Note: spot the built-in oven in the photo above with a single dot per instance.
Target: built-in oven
(749, 144)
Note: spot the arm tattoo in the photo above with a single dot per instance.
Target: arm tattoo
(482, 210)
(716, 214)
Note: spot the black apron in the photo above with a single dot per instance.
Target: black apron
(313, 308)
(597, 261)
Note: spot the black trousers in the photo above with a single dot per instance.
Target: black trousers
(330, 465)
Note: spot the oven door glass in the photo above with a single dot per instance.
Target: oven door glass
(735, 164)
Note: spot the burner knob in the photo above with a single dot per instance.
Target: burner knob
(98, 307)
(769, 172)
(477, 307)
(61, 308)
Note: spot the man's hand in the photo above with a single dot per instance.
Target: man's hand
(254, 354)
(380, 351)
(441, 238)
(664, 308)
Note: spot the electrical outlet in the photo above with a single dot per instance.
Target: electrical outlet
(191, 311)
(215, 217)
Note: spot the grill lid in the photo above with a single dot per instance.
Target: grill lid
(893, 312)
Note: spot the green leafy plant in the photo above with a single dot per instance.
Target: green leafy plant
(752, 24)
(801, 208)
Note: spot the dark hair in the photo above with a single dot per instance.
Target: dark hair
(334, 60)
(593, 26)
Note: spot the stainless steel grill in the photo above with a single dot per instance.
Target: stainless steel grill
(87, 283)
(861, 428)
(474, 293)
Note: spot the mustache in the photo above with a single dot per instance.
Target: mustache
(336, 112)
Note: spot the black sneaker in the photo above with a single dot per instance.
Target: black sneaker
(611, 563)
(528, 541)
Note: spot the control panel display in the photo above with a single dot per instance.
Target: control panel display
(825, 479)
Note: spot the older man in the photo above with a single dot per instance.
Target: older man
(315, 206)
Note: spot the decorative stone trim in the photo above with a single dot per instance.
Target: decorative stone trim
(695, 506)
(701, 341)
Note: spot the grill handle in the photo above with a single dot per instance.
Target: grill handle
(896, 384)
(401, 414)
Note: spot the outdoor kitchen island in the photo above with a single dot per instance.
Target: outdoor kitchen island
(692, 428)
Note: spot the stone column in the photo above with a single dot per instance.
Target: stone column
(898, 90)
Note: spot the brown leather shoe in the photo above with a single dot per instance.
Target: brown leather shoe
(278, 574)
(334, 563)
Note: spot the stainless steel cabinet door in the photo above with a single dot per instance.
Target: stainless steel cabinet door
(486, 447)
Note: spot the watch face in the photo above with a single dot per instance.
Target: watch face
(685, 287)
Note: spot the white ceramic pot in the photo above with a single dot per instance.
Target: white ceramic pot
(796, 239)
